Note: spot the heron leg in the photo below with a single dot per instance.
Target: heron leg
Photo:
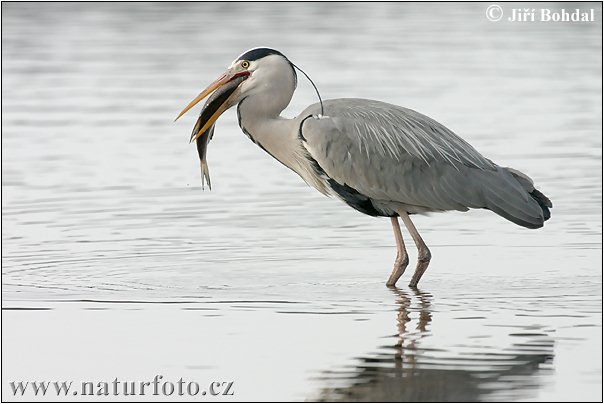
(402, 259)
(423, 256)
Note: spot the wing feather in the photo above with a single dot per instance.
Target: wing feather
(393, 154)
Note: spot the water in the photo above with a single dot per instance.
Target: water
(116, 264)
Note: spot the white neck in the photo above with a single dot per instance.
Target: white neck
(269, 91)
(279, 137)
(267, 128)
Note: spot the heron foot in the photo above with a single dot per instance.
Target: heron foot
(423, 260)
(400, 264)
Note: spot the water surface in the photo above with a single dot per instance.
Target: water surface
(116, 264)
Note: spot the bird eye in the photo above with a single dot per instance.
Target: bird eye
(245, 64)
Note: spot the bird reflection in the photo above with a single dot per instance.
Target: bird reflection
(406, 344)
(413, 370)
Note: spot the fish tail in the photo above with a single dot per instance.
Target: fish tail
(205, 175)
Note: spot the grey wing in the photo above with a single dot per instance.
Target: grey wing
(391, 154)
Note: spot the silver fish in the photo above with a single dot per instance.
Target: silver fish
(217, 98)
(202, 148)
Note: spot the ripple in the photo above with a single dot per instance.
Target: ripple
(102, 209)
(411, 368)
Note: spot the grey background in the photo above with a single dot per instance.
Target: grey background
(116, 264)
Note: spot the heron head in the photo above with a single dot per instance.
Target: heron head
(256, 71)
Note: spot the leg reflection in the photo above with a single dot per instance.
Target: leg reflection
(419, 366)
(416, 303)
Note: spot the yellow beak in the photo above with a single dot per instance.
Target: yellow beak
(215, 111)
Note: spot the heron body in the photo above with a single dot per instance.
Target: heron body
(380, 159)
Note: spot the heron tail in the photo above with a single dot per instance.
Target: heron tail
(543, 201)
(516, 199)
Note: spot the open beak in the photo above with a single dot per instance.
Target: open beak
(220, 101)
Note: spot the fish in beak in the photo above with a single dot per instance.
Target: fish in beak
(228, 83)
(202, 148)
(224, 93)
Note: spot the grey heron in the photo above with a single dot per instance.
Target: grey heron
(380, 159)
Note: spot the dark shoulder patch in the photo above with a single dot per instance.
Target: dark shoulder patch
(354, 198)
(259, 53)
(349, 195)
